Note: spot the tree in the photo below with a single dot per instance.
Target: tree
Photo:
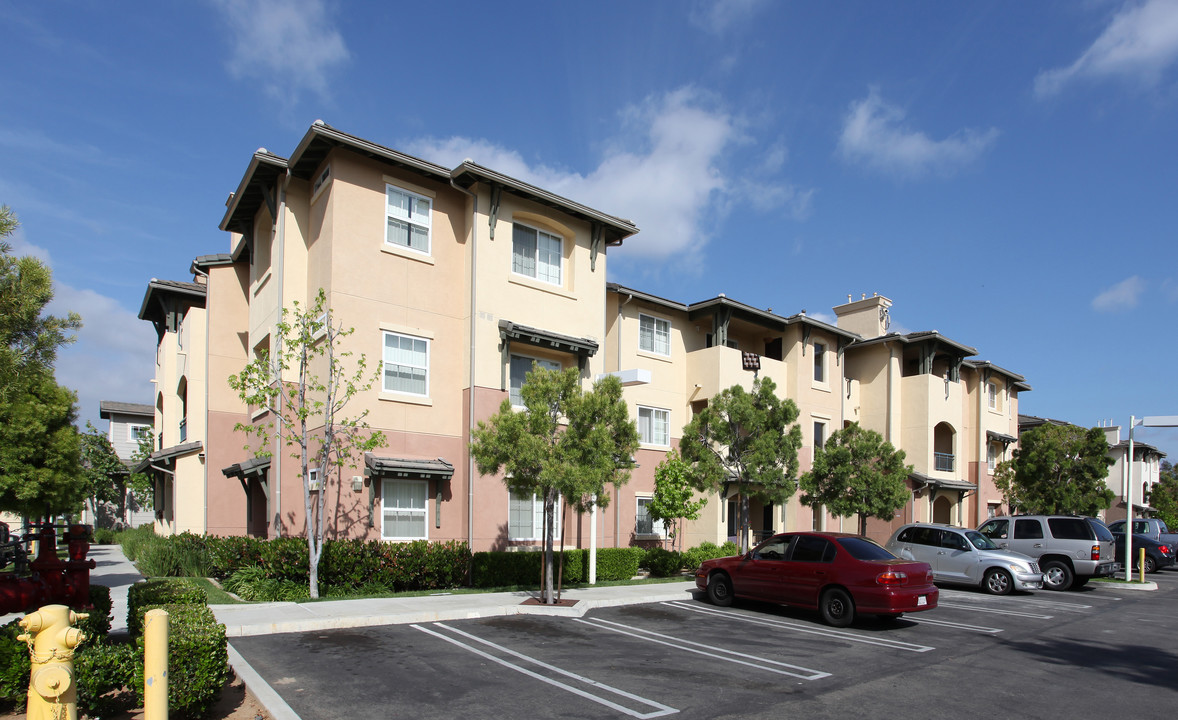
(566, 443)
(1057, 469)
(39, 445)
(673, 501)
(142, 485)
(306, 409)
(40, 451)
(857, 472)
(104, 472)
(1164, 496)
(29, 338)
(747, 439)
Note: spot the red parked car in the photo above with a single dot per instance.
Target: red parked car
(835, 573)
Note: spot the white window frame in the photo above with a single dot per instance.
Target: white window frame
(820, 434)
(660, 330)
(537, 503)
(314, 482)
(658, 527)
(993, 456)
(992, 395)
(819, 350)
(132, 427)
(412, 218)
(535, 271)
(512, 391)
(423, 511)
(384, 362)
(650, 436)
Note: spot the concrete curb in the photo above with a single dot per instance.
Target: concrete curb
(261, 689)
(1147, 586)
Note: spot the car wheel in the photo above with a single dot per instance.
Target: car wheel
(1151, 565)
(1057, 575)
(998, 582)
(720, 590)
(838, 610)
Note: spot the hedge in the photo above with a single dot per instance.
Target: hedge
(198, 661)
(156, 592)
(503, 569)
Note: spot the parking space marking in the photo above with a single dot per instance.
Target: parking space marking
(1060, 605)
(995, 611)
(959, 626)
(659, 711)
(806, 629)
(715, 653)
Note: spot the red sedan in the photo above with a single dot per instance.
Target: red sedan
(835, 573)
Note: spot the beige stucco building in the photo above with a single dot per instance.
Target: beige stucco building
(456, 281)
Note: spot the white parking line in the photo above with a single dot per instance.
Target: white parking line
(713, 652)
(995, 611)
(1060, 605)
(958, 626)
(806, 629)
(660, 710)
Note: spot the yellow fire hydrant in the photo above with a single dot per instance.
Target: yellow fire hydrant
(51, 637)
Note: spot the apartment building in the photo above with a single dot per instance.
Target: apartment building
(127, 424)
(456, 281)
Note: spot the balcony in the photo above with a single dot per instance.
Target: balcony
(943, 462)
(719, 368)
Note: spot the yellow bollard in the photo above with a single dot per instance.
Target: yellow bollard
(51, 637)
(155, 665)
(1141, 564)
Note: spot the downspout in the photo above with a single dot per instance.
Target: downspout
(618, 488)
(474, 266)
(205, 464)
(278, 451)
(983, 447)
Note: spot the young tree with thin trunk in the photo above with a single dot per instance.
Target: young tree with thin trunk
(566, 445)
(748, 439)
(305, 385)
(105, 473)
(674, 497)
(857, 472)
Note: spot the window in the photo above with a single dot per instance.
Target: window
(520, 367)
(408, 219)
(313, 479)
(1027, 530)
(819, 435)
(992, 396)
(526, 517)
(819, 362)
(536, 254)
(135, 433)
(653, 426)
(321, 181)
(811, 548)
(403, 509)
(406, 364)
(644, 524)
(992, 455)
(995, 529)
(654, 335)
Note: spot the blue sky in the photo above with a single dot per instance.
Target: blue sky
(1005, 172)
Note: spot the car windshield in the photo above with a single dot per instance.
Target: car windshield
(980, 541)
(862, 548)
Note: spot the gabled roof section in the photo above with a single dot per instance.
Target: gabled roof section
(107, 408)
(168, 455)
(253, 466)
(322, 138)
(615, 229)
(1016, 381)
(164, 295)
(919, 337)
(255, 189)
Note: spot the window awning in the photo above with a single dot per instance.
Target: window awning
(253, 466)
(390, 467)
(167, 455)
(940, 484)
(1004, 439)
(511, 332)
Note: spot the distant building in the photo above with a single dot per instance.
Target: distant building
(128, 422)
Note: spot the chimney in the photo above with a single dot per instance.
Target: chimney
(868, 316)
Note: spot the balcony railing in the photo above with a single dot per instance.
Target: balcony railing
(943, 462)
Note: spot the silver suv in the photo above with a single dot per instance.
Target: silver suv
(1070, 549)
(959, 555)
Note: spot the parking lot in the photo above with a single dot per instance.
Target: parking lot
(1096, 652)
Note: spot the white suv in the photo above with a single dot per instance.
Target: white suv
(1070, 549)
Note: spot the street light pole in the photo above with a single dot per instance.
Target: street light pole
(1148, 421)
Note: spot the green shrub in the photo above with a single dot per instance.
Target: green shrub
(14, 666)
(105, 675)
(227, 554)
(504, 569)
(252, 584)
(97, 625)
(105, 536)
(619, 563)
(198, 662)
(157, 557)
(708, 550)
(663, 563)
(156, 592)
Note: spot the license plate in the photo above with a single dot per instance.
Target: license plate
(922, 600)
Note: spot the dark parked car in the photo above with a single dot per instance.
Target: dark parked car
(1157, 554)
(835, 573)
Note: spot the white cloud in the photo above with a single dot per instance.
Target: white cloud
(288, 45)
(666, 173)
(1139, 43)
(874, 133)
(1122, 296)
(718, 15)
